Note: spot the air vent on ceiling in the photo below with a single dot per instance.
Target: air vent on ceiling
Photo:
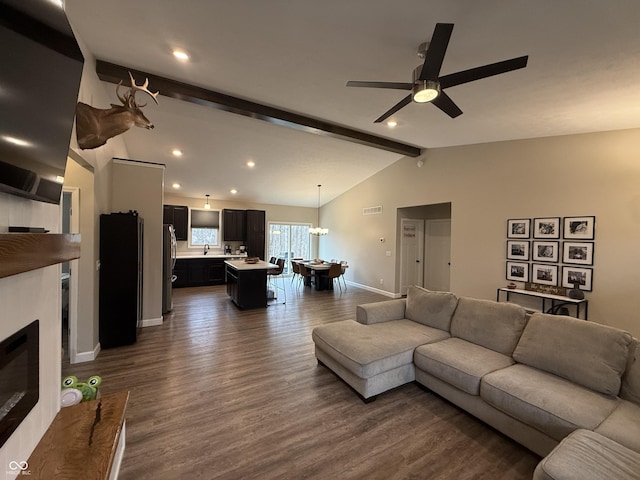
(372, 210)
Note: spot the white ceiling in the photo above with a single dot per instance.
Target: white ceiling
(583, 75)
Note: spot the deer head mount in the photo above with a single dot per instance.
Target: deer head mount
(94, 126)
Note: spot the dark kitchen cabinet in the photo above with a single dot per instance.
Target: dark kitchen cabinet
(255, 237)
(178, 216)
(195, 272)
(233, 225)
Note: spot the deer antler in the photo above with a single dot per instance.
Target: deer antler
(142, 88)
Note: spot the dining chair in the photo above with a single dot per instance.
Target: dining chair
(334, 273)
(305, 274)
(343, 268)
(273, 275)
(295, 268)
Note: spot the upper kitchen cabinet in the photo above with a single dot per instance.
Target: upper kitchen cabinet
(178, 216)
(233, 225)
(255, 238)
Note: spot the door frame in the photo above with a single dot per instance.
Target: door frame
(74, 226)
(428, 240)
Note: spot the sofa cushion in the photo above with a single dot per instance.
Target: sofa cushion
(585, 455)
(493, 325)
(375, 312)
(630, 389)
(589, 354)
(367, 350)
(459, 363)
(544, 401)
(430, 308)
(623, 425)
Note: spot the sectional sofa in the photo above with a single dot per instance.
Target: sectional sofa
(567, 389)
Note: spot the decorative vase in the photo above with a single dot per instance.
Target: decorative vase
(576, 293)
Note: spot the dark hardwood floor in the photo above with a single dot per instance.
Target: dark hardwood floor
(219, 393)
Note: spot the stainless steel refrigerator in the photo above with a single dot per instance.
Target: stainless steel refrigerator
(168, 262)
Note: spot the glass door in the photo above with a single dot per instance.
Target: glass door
(289, 240)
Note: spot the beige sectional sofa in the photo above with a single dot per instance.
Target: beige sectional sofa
(565, 388)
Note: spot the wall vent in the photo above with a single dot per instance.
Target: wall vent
(372, 210)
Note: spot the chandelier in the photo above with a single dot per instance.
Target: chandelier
(318, 231)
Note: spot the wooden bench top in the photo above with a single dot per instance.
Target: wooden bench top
(82, 440)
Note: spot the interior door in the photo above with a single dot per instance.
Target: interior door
(411, 253)
(438, 255)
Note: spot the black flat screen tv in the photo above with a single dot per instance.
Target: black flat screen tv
(40, 71)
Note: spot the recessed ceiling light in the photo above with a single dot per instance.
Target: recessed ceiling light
(251, 164)
(59, 179)
(176, 152)
(392, 123)
(233, 191)
(176, 185)
(181, 55)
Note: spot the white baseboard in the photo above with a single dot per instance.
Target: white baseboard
(82, 357)
(151, 322)
(375, 290)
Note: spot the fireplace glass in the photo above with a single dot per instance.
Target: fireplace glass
(19, 378)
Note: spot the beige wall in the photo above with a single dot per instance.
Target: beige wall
(138, 186)
(273, 213)
(592, 174)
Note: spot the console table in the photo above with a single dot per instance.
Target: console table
(555, 300)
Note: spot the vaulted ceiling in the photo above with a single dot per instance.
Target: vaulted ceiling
(583, 75)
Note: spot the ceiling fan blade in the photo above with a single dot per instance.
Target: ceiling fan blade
(444, 103)
(483, 72)
(435, 53)
(394, 85)
(402, 103)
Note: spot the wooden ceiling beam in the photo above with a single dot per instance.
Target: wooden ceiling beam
(110, 72)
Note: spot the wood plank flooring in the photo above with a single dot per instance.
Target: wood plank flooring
(220, 393)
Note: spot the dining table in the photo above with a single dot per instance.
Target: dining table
(319, 270)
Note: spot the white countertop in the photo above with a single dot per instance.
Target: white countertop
(242, 265)
(182, 256)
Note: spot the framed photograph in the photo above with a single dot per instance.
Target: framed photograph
(579, 228)
(544, 274)
(517, 249)
(577, 276)
(580, 253)
(546, 227)
(545, 251)
(518, 228)
(518, 271)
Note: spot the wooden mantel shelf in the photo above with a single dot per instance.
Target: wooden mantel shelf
(22, 252)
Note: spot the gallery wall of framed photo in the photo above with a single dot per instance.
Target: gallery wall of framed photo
(555, 251)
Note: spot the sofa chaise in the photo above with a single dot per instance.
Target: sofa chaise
(562, 387)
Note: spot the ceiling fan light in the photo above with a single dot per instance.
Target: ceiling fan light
(425, 91)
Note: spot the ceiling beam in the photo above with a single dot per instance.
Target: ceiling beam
(109, 72)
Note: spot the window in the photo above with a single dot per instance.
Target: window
(288, 241)
(205, 227)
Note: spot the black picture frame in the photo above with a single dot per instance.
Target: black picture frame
(579, 228)
(548, 227)
(518, 271)
(518, 250)
(545, 251)
(578, 253)
(544, 274)
(580, 275)
(519, 228)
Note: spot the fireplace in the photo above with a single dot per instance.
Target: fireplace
(19, 377)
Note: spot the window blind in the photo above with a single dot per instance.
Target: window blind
(205, 218)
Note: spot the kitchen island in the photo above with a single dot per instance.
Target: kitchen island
(247, 282)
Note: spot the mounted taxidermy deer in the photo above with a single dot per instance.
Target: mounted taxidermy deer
(94, 126)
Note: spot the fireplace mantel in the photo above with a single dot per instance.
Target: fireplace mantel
(22, 252)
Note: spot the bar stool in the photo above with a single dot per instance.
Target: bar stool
(272, 275)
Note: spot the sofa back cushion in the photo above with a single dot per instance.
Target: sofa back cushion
(630, 389)
(586, 353)
(433, 309)
(490, 324)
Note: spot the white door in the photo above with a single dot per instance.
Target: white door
(438, 255)
(411, 253)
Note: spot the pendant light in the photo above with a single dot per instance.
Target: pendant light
(318, 231)
(206, 205)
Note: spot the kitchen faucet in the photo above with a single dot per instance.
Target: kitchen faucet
(206, 248)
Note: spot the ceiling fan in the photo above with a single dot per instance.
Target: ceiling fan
(428, 86)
